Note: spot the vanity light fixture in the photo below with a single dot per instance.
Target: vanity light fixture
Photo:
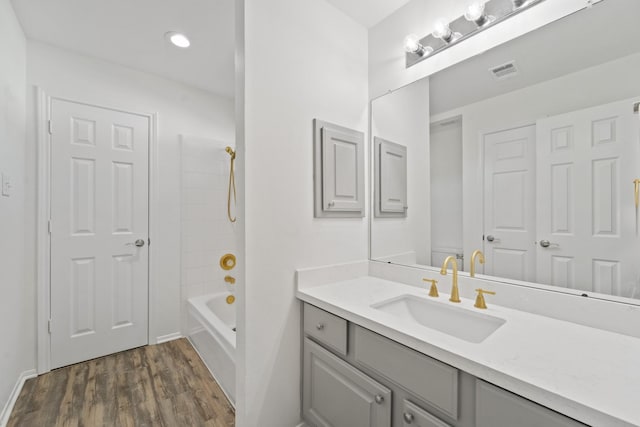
(476, 13)
(412, 45)
(479, 15)
(178, 39)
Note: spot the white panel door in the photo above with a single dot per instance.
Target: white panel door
(99, 209)
(509, 212)
(587, 161)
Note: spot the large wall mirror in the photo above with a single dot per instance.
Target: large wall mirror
(529, 152)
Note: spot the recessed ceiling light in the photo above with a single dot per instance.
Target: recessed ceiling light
(178, 39)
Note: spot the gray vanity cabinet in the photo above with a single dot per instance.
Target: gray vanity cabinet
(336, 394)
(353, 377)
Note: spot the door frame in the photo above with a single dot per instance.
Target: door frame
(43, 209)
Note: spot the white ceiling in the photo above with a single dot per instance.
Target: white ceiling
(368, 12)
(565, 46)
(131, 33)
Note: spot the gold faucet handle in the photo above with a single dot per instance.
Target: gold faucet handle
(433, 291)
(480, 302)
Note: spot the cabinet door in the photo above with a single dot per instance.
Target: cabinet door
(393, 177)
(335, 394)
(342, 177)
(496, 407)
(338, 171)
(430, 380)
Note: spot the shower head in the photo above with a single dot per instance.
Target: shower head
(231, 152)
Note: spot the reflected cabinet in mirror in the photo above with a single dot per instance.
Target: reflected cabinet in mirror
(529, 152)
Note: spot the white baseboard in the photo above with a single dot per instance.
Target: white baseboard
(169, 337)
(13, 397)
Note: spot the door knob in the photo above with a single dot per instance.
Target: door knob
(379, 399)
(490, 238)
(139, 243)
(408, 418)
(546, 243)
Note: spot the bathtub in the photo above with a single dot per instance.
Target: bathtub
(212, 324)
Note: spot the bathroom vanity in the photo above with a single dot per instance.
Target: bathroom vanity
(531, 159)
(369, 361)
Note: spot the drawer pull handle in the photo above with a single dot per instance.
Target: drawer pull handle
(408, 418)
(320, 326)
(379, 399)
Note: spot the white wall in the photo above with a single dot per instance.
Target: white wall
(403, 117)
(181, 110)
(17, 302)
(207, 234)
(303, 60)
(572, 92)
(386, 52)
(446, 190)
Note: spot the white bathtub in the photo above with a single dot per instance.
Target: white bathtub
(212, 324)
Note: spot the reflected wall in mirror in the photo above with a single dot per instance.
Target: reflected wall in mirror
(528, 152)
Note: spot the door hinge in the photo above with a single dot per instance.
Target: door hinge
(50, 128)
(149, 242)
(49, 326)
(49, 226)
(636, 107)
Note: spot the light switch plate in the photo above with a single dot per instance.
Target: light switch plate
(6, 185)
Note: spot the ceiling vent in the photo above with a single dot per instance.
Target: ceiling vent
(504, 71)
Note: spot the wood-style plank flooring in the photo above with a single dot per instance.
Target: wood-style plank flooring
(158, 385)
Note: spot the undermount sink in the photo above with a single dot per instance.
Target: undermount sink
(455, 321)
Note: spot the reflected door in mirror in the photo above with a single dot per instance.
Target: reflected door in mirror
(587, 161)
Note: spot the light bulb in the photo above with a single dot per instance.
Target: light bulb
(475, 13)
(442, 31)
(412, 45)
(178, 39)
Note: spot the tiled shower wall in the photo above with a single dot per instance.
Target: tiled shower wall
(207, 234)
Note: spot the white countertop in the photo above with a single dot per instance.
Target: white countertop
(588, 374)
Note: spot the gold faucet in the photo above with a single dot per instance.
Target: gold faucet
(229, 279)
(433, 291)
(474, 255)
(455, 296)
(480, 301)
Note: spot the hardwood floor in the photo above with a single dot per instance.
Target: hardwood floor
(159, 385)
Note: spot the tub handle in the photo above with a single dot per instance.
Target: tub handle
(320, 326)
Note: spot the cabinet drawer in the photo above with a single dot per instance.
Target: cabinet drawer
(498, 407)
(326, 328)
(415, 416)
(335, 394)
(428, 379)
